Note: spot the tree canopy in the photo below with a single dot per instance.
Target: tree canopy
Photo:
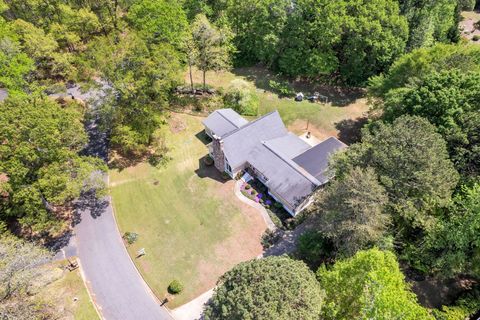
(159, 21)
(450, 100)
(39, 162)
(351, 211)
(412, 163)
(270, 288)
(453, 246)
(413, 67)
(430, 21)
(369, 285)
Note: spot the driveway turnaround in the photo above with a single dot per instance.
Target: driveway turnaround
(116, 287)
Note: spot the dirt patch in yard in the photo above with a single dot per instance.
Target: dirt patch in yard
(243, 245)
(299, 127)
(176, 123)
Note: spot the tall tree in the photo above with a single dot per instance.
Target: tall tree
(452, 246)
(355, 38)
(415, 66)
(19, 273)
(270, 288)
(159, 21)
(412, 163)
(351, 211)
(369, 285)
(451, 101)
(257, 26)
(15, 65)
(212, 46)
(142, 76)
(39, 162)
(430, 21)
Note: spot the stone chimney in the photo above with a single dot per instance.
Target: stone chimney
(217, 152)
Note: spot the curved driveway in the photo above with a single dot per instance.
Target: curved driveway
(118, 290)
(115, 285)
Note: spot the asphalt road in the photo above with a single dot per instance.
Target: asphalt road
(115, 285)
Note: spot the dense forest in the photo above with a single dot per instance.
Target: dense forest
(405, 197)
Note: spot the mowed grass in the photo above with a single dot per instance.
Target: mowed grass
(68, 294)
(186, 220)
(322, 119)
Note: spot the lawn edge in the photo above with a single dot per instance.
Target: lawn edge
(84, 280)
(145, 283)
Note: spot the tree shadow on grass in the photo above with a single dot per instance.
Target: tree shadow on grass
(210, 172)
(120, 161)
(337, 95)
(350, 130)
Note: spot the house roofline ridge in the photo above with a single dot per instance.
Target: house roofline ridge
(294, 166)
(218, 111)
(249, 123)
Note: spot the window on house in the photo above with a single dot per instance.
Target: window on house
(227, 167)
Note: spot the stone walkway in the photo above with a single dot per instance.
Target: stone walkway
(253, 204)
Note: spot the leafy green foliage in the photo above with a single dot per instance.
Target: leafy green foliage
(159, 21)
(283, 88)
(39, 161)
(463, 308)
(142, 78)
(369, 285)
(430, 21)
(130, 237)
(257, 26)
(19, 275)
(414, 67)
(267, 289)
(314, 248)
(241, 98)
(211, 46)
(312, 38)
(453, 246)
(175, 287)
(411, 161)
(451, 101)
(351, 211)
(15, 65)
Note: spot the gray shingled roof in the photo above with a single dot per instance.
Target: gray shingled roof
(288, 146)
(315, 160)
(223, 121)
(3, 94)
(238, 143)
(285, 177)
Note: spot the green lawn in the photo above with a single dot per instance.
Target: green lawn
(61, 294)
(323, 119)
(190, 223)
(192, 227)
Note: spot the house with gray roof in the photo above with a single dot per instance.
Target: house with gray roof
(289, 167)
